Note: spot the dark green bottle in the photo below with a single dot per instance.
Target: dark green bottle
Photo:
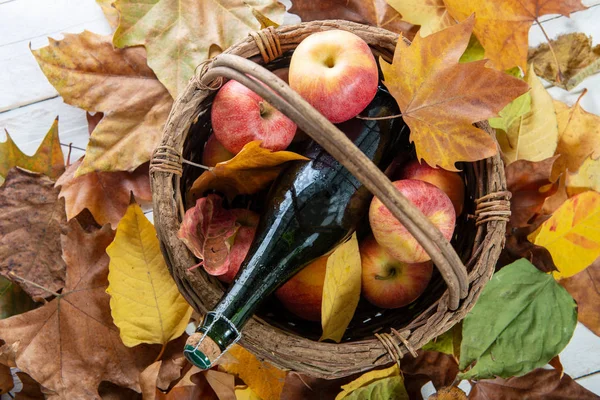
(312, 207)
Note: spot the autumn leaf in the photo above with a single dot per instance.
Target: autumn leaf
(534, 135)
(144, 300)
(530, 185)
(105, 194)
(70, 344)
(245, 393)
(473, 52)
(341, 289)
(89, 73)
(251, 170)
(6, 380)
(447, 343)
(513, 111)
(30, 225)
(578, 135)
(178, 35)
(219, 237)
(31, 389)
(387, 388)
(502, 26)
(571, 235)
(371, 12)
(430, 14)
(576, 57)
(48, 158)
(264, 379)
(148, 379)
(13, 300)
(586, 178)
(368, 378)
(439, 368)
(584, 289)
(539, 383)
(222, 383)
(518, 246)
(441, 118)
(111, 13)
(534, 319)
(449, 393)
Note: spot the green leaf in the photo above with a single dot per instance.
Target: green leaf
(391, 388)
(447, 343)
(521, 321)
(13, 300)
(473, 52)
(513, 110)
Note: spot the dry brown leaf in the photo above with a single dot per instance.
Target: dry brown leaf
(148, 379)
(105, 194)
(578, 136)
(431, 15)
(13, 300)
(502, 26)
(30, 225)
(518, 246)
(31, 389)
(8, 354)
(538, 384)
(88, 72)
(93, 120)
(222, 383)
(585, 289)
(171, 368)
(111, 13)
(530, 185)
(70, 344)
(433, 366)
(576, 57)
(48, 158)
(193, 386)
(251, 170)
(6, 380)
(370, 12)
(441, 117)
(553, 202)
(179, 34)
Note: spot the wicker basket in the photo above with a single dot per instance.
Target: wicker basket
(479, 244)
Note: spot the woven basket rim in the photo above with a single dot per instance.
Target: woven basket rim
(279, 347)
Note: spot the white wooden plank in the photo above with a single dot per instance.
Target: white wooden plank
(591, 383)
(582, 354)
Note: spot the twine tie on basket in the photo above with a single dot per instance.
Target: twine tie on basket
(268, 43)
(389, 343)
(166, 159)
(493, 207)
(199, 73)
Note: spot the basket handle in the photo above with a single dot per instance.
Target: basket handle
(334, 141)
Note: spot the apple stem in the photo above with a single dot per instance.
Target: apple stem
(391, 273)
(379, 118)
(264, 108)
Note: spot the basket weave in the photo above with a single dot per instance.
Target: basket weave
(465, 277)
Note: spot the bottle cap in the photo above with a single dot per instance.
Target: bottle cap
(201, 350)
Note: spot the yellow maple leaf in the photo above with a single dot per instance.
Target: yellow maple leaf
(571, 235)
(341, 289)
(48, 158)
(586, 178)
(432, 15)
(144, 300)
(441, 116)
(264, 380)
(245, 393)
(246, 173)
(502, 26)
(534, 135)
(368, 378)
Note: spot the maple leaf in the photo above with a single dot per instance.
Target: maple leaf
(217, 236)
(31, 390)
(367, 379)
(571, 235)
(30, 225)
(371, 12)
(111, 13)
(583, 286)
(144, 300)
(441, 98)
(518, 246)
(532, 136)
(430, 14)
(6, 380)
(48, 158)
(586, 178)
(70, 344)
(89, 73)
(576, 58)
(439, 368)
(105, 194)
(341, 289)
(179, 34)
(502, 26)
(248, 172)
(539, 383)
(578, 135)
(530, 185)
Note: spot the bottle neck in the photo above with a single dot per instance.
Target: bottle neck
(213, 337)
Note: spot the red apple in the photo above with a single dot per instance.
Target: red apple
(394, 237)
(302, 294)
(335, 72)
(240, 116)
(214, 152)
(387, 282)
(450, 182)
